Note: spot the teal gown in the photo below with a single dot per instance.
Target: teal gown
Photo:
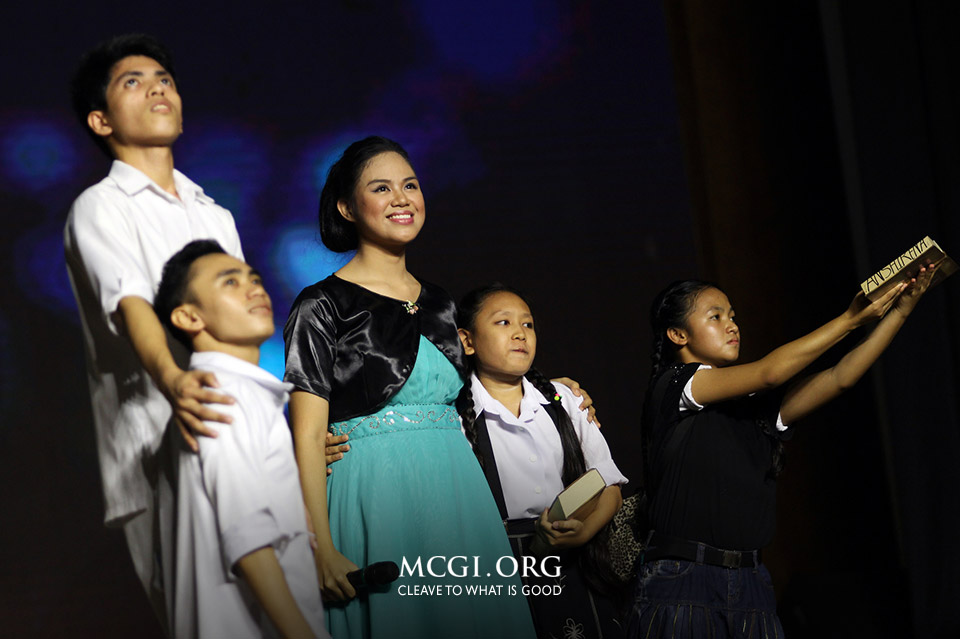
(410, 489)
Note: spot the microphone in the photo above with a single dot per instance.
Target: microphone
(379, 573)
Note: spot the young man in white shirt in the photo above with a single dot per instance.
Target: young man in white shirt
(244, 564)
(118, 235)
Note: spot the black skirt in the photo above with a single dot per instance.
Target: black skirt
(561, 602)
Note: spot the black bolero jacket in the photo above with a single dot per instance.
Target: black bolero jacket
(356, 348)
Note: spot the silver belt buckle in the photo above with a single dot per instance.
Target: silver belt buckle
(731, 559)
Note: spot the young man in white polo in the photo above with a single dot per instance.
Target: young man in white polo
(118, 235)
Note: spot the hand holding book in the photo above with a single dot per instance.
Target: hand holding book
(863, 310)
(562, 534)
(908, 299)
(561, 526)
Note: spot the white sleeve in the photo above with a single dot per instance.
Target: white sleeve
(100, 246)
(235, 481)
(596, 453)
(233, 247)
(687, 402)
(780, 425)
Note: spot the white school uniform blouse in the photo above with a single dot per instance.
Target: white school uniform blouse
(241, 493)
(119, 234)
(528, 450)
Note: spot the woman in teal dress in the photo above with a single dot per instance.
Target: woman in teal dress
(374, 353)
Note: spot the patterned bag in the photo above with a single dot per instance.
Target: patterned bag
(629, 530)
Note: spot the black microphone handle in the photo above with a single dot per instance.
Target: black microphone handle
(376, 574)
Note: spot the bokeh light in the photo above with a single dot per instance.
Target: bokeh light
(41, 270)
(492, 39)
(37, 154)
(271, 353)
(298, 259)
(231, 162)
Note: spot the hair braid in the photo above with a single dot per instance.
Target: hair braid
(670, 310)
(656, 355)
(594, 556)
(468, 417)
(574, 464)
(466, 318)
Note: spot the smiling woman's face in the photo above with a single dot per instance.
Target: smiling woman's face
(387, 205)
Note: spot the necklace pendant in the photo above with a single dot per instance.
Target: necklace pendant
(411, 307)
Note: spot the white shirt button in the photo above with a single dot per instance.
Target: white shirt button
(538, 490)
(533, 458)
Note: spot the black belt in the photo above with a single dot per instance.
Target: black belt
(664, 547)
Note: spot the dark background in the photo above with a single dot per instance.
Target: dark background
(585, 152)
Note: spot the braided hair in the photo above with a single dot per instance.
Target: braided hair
(594, 557)
(467, 311)
(670, 309)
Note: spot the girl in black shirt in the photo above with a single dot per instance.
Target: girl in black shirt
(712, 445)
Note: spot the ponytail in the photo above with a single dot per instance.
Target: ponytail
(670, 310)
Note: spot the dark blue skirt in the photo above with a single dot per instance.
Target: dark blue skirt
(684, 599)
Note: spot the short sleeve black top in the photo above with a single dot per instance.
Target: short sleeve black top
(717, 487)
(356, 348)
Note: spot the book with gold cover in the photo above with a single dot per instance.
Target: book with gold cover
(907, 265)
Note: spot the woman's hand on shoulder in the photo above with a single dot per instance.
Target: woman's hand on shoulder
(586, 404)
(332, 569)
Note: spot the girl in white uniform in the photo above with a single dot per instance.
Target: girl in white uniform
(532, 440)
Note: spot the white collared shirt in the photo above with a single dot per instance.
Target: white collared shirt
(528, 451)
(239, 494)
(119, 234)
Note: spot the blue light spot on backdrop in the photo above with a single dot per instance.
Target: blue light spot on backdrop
(37, 154)
(323, 159)
(298, 260)
(271, 354)
(42, 271)
(309, 172)
(491, 38)
(230, 163)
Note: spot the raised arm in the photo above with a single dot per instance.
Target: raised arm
(187, 391)
(780, 365)
(262, 571)
(309, 418)
(818, 389)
